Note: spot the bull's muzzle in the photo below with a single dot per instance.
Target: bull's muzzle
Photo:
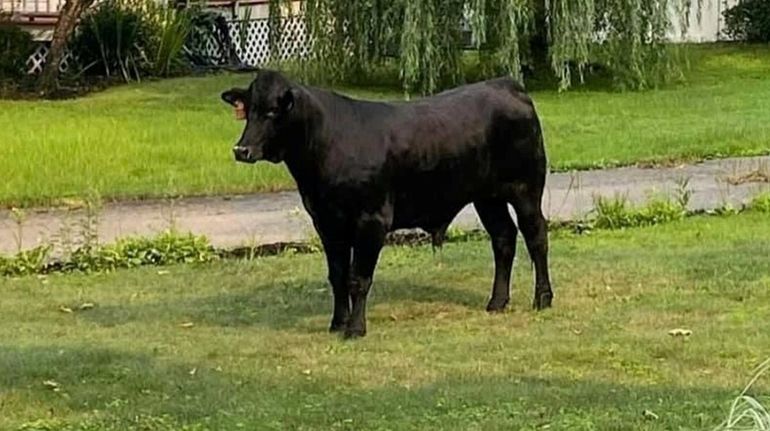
(244, 154)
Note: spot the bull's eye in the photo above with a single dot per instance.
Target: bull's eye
(272, 113)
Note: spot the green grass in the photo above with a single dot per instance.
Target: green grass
(174, 137)
(258, 355)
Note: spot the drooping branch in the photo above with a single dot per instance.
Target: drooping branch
(627, 37)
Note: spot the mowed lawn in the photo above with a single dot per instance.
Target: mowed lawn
(173, 137)
(243, 345)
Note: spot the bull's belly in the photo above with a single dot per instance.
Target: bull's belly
(432, 197)
(426, 212)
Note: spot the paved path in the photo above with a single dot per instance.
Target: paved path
(277, 217)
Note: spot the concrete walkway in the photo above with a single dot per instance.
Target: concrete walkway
(278, 217)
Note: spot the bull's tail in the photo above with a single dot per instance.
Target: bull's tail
(438, 236)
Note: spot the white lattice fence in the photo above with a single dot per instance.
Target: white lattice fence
(254, 47)
(253, 50)
(36, 61)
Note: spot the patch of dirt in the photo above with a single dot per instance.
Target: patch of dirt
(663, 163)
(267, 250)
(755, 176)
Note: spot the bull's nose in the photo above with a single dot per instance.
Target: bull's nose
(241, 153)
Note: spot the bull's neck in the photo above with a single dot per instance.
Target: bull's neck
(303, 158)
(303, 167)
(308, 145)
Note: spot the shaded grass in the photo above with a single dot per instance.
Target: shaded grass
(258, 355)
(173, 137)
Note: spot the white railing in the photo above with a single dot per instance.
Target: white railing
(31, 6)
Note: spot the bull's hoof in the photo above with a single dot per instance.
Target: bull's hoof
(542, 300)
(353, 333)
(497, 306)
(338, 325)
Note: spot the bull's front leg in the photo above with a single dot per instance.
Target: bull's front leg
(338, 263)
(369, 239)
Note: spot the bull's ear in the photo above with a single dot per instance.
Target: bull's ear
(286, 101)
(234, 95)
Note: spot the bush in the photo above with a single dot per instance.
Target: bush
(108, 40)
(130, 38)
(617, 213)
(25, 262)
(168, 30)
(167, 248)
(761, 203)
(749, 21)
(16, 45)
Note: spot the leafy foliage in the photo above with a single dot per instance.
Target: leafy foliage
(165, 249)
(129, 38)
(761, 203)
(749, 21)
(25, 262)
(169, 30)
(617, 213)
(108, 39)
(15, 47)
(627, 37)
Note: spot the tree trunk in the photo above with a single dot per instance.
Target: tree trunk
(68, 18)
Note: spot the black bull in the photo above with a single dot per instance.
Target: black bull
(366, 168)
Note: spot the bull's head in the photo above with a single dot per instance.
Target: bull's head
(267, 107)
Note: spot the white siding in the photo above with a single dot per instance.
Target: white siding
(711, 25)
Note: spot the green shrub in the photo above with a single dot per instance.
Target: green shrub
(168, 30)
(749, 21)
(109, 38)
(761, 203)
(617, 213)
(165, 249)
(25, 262)
(131, 38)
(16, 45)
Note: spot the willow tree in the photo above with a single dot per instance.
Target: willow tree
(426, 38)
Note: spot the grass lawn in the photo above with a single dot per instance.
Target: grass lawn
(258, 355)
(174, 137)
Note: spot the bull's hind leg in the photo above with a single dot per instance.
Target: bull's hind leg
(527, 203)
(498, 223)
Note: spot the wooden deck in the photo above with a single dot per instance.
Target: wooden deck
(39, 17)
(46, 12)
(32, 13)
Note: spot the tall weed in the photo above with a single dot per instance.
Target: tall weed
(617, 212)
(169, 30)
(746, 412)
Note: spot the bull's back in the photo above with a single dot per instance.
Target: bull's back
(461, 146)
(470, 135)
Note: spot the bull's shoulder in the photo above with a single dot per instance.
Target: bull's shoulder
(512, 89)
(502, 90)
(507, 83)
